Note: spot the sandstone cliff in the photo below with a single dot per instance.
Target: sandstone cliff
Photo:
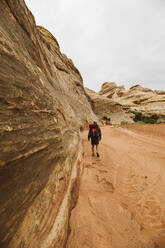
(42, 106)
(136, 98)
(104, 106)
(121, 103)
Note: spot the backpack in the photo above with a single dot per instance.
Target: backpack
(94, 131)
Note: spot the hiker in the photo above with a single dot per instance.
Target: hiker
(95, 136)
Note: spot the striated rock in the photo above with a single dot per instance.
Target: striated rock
(105, 107)
(120, 104)
(160, 92)
(101, 104)
(140, 88)
(108, 87)
(42, 106)
(136, 98)
(143, 100)
(111, 90)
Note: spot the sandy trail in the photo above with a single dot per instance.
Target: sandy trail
(122, 194)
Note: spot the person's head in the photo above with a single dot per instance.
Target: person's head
(95, 123)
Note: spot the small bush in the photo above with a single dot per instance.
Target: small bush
(124, 123)
(140, 122)
(105, 118)
(154, 117)
(145, 119)
(160, 121)
(138, 116)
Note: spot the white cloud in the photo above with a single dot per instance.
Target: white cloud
(109, 40)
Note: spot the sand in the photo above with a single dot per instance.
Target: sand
(122, 194)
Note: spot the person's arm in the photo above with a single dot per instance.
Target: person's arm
(89, 135)
(99, 132)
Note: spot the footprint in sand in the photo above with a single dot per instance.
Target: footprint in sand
(103, 171)
(89, 166)
(107, 185)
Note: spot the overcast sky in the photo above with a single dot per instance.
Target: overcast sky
(120, 41)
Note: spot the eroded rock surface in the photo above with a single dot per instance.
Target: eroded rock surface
(103, 106)
(42, 106)
(136, 98)
(120, 104)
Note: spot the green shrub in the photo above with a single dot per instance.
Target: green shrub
(160, 121)
(105, 118)
(155, 117)
(138, 116)
(145, 119)
(124, 123)
(140, 122)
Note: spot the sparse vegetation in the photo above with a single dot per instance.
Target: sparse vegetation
(160, 121)
(105, 118)
(139, 117)
(124, 123)
(140, 122)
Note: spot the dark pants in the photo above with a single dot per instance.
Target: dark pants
(94, 141)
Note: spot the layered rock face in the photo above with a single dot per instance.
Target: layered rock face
(42, 106)
(104, 106)
(121, 103)
(136, 98)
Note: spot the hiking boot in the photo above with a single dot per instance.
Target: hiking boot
(93, 154)
(97, 154)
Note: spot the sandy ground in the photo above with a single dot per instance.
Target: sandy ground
(122, 194)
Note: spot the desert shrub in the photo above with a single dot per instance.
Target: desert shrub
(145, 119)
(155, 117)
(160, 121)
(124, 123)
(105, 118)
(140, 122)
(138, 116)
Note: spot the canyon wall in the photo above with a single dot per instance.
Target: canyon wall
(120, 104)
(42, 108)
(105, 107)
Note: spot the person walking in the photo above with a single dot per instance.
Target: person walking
(95, 135)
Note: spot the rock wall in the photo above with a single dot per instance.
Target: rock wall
(136, 98)
(42, 107)
(104, 106)
(120, 104)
